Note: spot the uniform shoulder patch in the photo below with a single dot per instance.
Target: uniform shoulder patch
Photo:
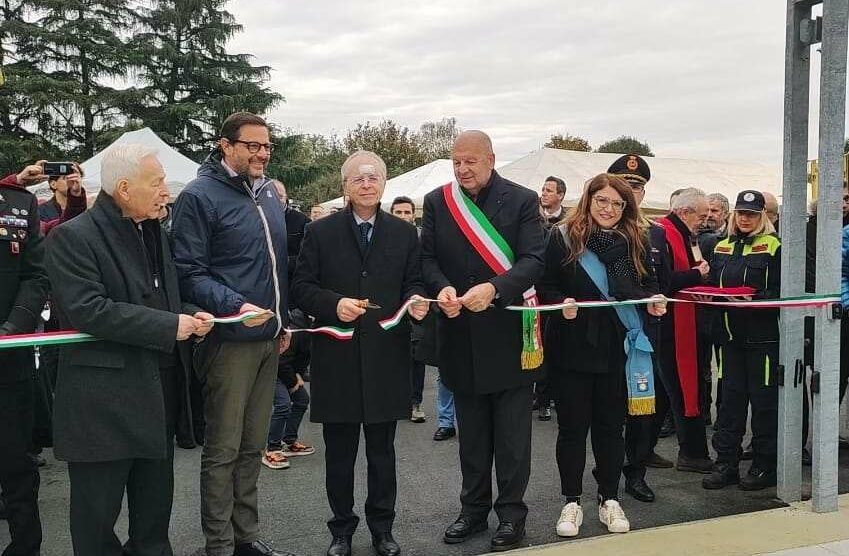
(762, 248)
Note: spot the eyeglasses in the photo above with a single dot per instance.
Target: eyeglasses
(359, 181)
(637, 187)
(605, 202)
(254, 147)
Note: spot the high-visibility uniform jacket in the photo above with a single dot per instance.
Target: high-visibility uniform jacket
(753, 261)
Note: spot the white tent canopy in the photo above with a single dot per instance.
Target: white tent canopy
(667, 174)
(179, 169)
(575, 168)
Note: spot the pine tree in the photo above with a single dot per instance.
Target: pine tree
(190, 83)
(82, 47)
(22, 119)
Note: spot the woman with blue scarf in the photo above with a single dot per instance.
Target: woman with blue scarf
(600, 364)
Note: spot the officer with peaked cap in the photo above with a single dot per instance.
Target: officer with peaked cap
(641, 433)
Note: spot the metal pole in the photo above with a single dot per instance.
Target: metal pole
(793, 216)
(829, 223)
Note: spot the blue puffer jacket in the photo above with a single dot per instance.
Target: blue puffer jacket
(844, 275)
(229, 246)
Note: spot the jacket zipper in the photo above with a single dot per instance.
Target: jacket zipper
(270, 246)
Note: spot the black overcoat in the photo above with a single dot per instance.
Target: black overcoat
(480, 353)
(366, 379)
(109, 401)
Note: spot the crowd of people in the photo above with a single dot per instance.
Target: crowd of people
(148, 279)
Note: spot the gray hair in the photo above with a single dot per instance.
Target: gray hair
(121, 162)
(722, 200)
(688, 198)
(348, 165)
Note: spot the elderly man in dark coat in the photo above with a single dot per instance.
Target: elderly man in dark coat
(357, 267)
(117, 399)
(481, 345)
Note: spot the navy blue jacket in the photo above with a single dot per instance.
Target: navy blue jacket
(229, 245)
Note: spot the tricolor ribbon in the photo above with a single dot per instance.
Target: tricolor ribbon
(343, 334)
(65, 337)
(394, 320)
(801, 301)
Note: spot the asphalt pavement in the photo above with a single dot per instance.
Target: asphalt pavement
(294, 510)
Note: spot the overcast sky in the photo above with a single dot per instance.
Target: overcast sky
(696, 79)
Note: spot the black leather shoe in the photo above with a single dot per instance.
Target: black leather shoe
(257, 548)
(722, 475)
(694, 465)
(638, 488)
(444, 433)
(462, 529)
(668, 427)
(545, 413)
(507, 537)
(659, 462)
(758, 479)
(341, 546)
(385, 545)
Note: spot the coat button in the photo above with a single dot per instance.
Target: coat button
(364, 274)
(156, 377)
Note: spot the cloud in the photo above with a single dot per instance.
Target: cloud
(695, 79)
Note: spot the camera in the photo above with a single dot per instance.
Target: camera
(55, 169)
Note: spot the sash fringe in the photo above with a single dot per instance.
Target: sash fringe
(641, 406)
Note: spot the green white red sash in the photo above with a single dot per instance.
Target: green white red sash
(496, 252)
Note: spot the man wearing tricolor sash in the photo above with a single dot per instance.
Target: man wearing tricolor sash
(356, 268)
(482, 249)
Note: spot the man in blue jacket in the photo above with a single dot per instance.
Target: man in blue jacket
(229, 235)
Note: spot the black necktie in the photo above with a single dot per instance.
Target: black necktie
(365, 228)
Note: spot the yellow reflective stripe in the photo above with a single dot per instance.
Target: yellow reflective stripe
(719, 362)
(766, 371)
(727, 326)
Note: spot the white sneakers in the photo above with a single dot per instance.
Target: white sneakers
(570, 520)
(610, 514)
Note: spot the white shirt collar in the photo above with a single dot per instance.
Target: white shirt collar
(371, 220)
(255, 184)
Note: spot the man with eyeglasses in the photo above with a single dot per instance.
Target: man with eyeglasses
(358, 267)
(229, 235)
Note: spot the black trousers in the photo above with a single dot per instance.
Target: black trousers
(342, 441)
(97, 489)
(692, 437)
(495, 427)
(597, 402)
(705, 353)
(641, 431)
(748, 376)
(19, 477)
(542, 393)
(809, 360)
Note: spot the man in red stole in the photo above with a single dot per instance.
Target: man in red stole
(482, 249)
(678, 344)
